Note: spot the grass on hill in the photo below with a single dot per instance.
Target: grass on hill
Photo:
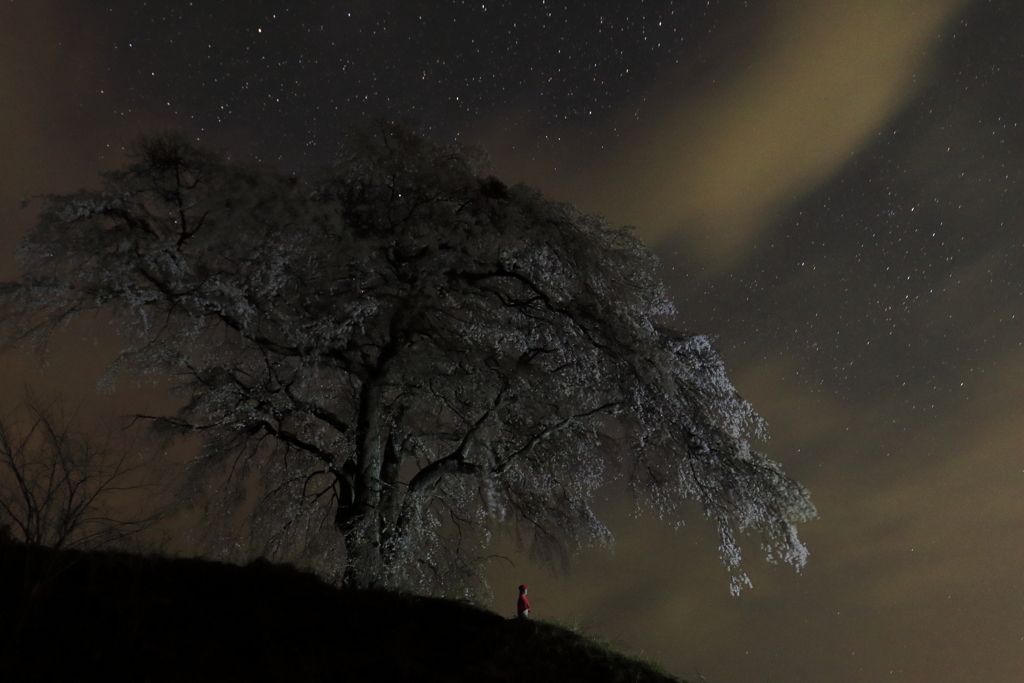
(108, 616)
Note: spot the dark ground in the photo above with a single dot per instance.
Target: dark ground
(73, 616)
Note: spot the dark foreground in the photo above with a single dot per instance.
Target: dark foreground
(105, 616)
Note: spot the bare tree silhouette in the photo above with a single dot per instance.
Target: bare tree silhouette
(63, 488)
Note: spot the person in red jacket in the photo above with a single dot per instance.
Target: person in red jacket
(524, 603)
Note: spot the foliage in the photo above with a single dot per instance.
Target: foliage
(406, 353)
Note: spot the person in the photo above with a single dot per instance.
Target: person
(524, 602)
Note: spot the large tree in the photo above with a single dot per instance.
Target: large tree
(406, 353)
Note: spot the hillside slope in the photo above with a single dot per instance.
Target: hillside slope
(112, 616)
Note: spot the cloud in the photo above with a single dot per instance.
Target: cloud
(936, 528)
(714, 162)
(914, 563)
(824, 78)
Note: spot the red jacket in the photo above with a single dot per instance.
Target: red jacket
(524, 605)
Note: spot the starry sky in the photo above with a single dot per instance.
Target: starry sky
(834, 190)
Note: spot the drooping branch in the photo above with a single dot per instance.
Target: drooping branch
(547, 432)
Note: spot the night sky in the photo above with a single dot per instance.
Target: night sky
(834, 189)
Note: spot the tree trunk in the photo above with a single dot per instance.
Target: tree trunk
(362, 521)
(369, 449)
(363, 562)
(369, 560)
(389, 494)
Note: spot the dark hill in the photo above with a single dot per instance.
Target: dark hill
(105, 616)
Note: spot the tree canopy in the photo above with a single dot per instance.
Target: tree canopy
(405, 354)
